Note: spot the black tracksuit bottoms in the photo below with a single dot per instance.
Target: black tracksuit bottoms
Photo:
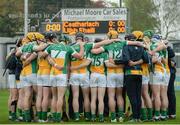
(133, 85)
(171, 95)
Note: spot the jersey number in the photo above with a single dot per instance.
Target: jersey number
(117, 54)
(58, 54)
(98, 61)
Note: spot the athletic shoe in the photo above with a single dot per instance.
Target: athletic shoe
(44, 121)
(87, 119)
(20, 118)
(76, 119)
(121, 119)
(139, 120)
(172, 116)
(10, 117)
(101, 120)
(113, 120)
(163, 118)
(39, 120)
(156, 118)
(133, 120)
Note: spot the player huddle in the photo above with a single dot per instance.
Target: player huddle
(50, 64)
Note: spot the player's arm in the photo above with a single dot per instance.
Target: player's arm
(164, 61)
(154, 59)
(41, 47)
(160, 47)
(81, 52)
(19, 52)
(53, 63)
(136, 43)
(112, 65)
(97, 50)
(11, 52)
(104, 42)
(82, 65)
(29, 59)
(42, 54)
(133, 63)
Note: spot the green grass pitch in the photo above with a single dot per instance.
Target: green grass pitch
(4, 112)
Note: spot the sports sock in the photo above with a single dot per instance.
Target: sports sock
(76, 115)
(120, 113)
(113, 115)
(149, 113)
(13, 114)
(39, 115)
(101, 117)
(27, 116)
(54, 116)
(93, 117)
(20, 112)
(157, 113)
(44, 116)
(163, 113)
(143, 114)
(58, 116)
(87, 115)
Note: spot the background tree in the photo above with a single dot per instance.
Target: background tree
(141, 14)
(168, 16)
(11, 20)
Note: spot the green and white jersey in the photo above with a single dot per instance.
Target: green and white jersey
(61, 54)
(98, 62)
(157, 66)
(32, 67)
(115, 49)
(115, 52)
(76, 62)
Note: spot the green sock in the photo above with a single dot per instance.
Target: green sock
(87, 115)
(44, 116)
(149, 113)
(120, 113)
(101, 117)
(10, 116)
(23, 115)
(113, 115)
(163, 113)
(27, 115)
(20, 112)
(58, 116)
(54, 116)
(76, 115)
(13, 114)
(9, 113)
(157, 113)
(143, 114)
(93, 117)
(39, 115)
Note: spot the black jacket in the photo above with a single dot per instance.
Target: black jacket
(134, 53)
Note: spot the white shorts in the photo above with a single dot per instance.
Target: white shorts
(97, 80)
(79, 79)
(43, 80)
(19, 84)
(157, 79)
(29, 80)
(58, 80)
(115, 80)
(12, 81)
(145, 80)
(166, 78)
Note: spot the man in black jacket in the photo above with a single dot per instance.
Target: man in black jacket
(133, 57)
(171, 92)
